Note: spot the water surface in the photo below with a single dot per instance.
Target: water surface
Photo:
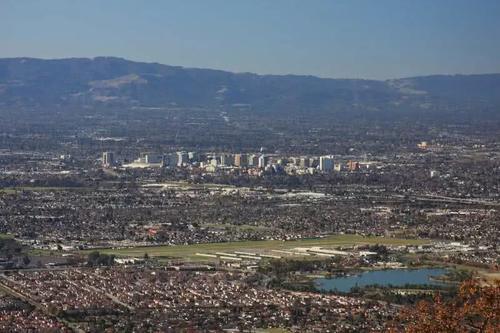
(394, 277)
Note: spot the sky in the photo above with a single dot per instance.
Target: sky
(375, 39)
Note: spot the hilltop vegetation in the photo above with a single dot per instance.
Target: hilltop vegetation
(111, 82)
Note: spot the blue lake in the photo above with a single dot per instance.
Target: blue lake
(395, 277)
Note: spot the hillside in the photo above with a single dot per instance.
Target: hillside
(107, 81)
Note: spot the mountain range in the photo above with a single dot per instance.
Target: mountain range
(109, 81)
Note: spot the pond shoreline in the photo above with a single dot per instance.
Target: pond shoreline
(396, 277)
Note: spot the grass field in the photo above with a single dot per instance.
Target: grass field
(189, 251)
(273, 330)
(11, 190)
(241, 227)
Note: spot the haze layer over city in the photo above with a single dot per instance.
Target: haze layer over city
(249, 166)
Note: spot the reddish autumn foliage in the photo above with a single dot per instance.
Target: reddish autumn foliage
(474, 309)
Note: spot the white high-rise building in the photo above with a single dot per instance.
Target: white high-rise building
(108, 159)
(262, 161)
(326, 163)
(182, 158)
(226, 160)
(253, 160)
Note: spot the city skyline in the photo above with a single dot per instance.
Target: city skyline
(149, 182)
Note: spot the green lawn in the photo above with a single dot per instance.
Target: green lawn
(5, 236)
(10, 190)
(273, 330)
(241, 227)
(189, 251)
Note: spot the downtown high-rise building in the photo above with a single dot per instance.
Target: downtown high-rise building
(253, 160)
(226, 160)
(240, 160)
(326, 163)
(262, 161)
(108, 159)
(182, 158)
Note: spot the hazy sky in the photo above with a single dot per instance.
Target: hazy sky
(328, 38)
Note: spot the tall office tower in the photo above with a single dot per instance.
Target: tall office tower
(193, 156)
(226, 160)
(353, 166)
(182, 158)
(326, 163)
(223, 160)
(253, 160)
(108, 159)
(240, 160)
(262, 161)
